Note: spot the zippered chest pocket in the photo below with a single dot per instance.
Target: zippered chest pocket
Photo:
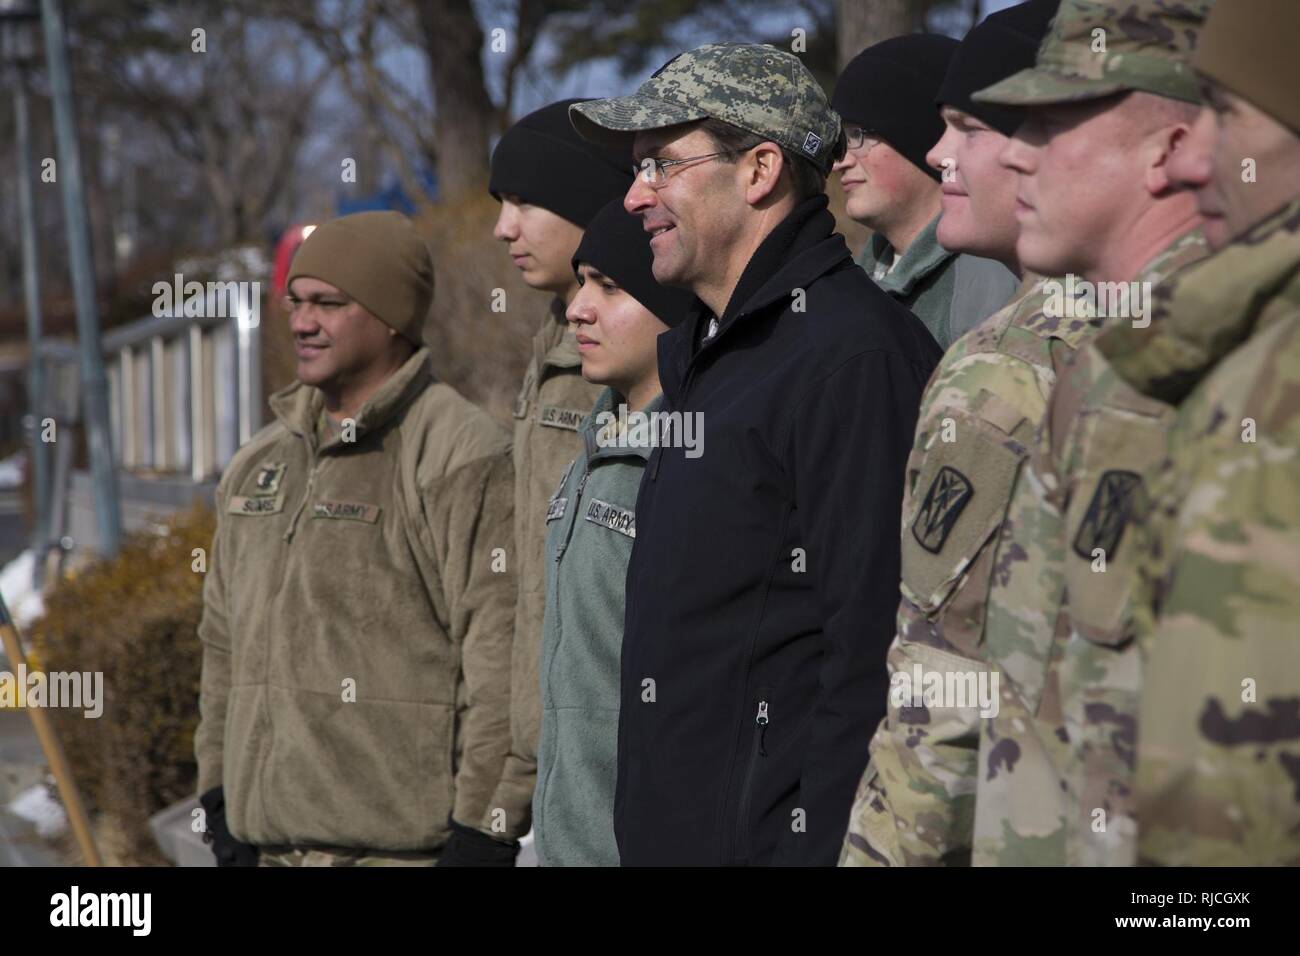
(761, 721)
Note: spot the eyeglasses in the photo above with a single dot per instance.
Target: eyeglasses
(655, 171)
(292, 303)
(856, 137)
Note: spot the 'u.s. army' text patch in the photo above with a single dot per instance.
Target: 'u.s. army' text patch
(622, 520)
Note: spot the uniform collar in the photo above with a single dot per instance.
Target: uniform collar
(597, 428)
(1207, 310)
(555, 345)
(803, 247)
(922, 257)
(299, 406)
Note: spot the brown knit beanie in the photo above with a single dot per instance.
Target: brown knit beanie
(1249, 47)
(379, 260)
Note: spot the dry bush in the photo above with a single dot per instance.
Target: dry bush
(135, 619)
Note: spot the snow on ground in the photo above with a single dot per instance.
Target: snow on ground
(11, 471)
(37, 807)
(19, 590)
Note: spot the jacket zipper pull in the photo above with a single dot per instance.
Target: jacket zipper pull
(762, 721)
(577, 499)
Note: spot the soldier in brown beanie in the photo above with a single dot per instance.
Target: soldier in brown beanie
(358, 605)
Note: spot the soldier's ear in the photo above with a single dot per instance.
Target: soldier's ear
(765, 171)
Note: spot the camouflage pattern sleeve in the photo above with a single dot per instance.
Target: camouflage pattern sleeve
(1216, 593)
(915, 802)
(1218, 774)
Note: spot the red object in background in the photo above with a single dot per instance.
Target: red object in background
(284, 249)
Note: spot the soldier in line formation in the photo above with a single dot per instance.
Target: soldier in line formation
(422, 638)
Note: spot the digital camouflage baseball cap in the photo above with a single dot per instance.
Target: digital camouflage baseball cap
(754, 86)
(1099, 49)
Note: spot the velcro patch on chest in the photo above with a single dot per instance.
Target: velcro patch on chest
(266, 480)
(555, 508)
(346, 511)
(1108, 514)
(947, 497)
(554, 416)
(255, 504)
(622, 520)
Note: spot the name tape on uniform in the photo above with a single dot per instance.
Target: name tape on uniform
(255, 504)
(553, 416)
(622, 520)
(346, 511)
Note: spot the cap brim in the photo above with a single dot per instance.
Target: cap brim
(1035, 87)
(614, 121)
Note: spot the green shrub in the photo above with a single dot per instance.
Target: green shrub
(135, 618)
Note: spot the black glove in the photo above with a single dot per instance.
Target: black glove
(470, 847)
(227, 850)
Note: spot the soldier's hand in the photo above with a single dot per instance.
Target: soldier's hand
(227, 850)
(470, 847)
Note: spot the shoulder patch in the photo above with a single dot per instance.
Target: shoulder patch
(1108, 513)
(622, 520)
(266, 480)
(948, 496)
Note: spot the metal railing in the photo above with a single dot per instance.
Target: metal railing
(184, 391)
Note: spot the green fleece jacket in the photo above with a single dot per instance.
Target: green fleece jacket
(591, 524)
(552, 403)
(356, 630)
(949, 292)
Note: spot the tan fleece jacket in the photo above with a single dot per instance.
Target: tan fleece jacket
(357, 622)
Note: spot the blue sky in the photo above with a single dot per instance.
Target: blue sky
(603, 79)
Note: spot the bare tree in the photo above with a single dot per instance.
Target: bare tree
(464, 114)
(237, 112)
(860, 24)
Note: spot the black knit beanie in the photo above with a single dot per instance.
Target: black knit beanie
(888, 89)
(543, 160)
(617, 244)
(1002, 43)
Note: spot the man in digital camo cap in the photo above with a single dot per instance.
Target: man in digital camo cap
(764, 577)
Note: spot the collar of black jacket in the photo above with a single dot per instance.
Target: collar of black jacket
(792, 255)
(802, 247)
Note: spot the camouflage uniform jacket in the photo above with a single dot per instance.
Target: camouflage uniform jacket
(941, 755)
(1057, 620)
(980, 409)
(551, 406)
(1217, 608)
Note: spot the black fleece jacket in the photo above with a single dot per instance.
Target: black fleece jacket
(763, 585)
